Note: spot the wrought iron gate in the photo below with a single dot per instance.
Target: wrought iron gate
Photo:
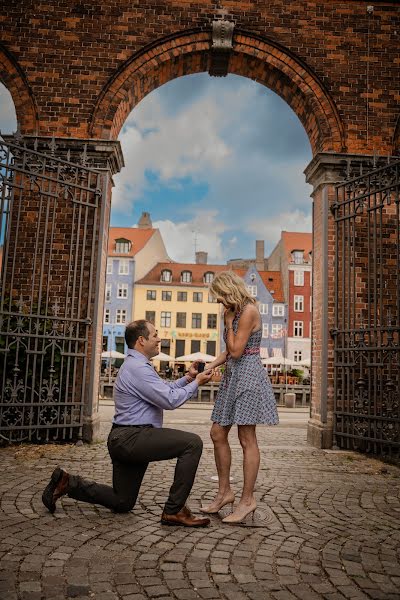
(367, 312)
(49, 223)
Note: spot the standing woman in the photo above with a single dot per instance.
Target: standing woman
(245, 397)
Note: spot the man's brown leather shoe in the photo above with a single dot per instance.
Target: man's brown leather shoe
(56, 488)
(183, 518)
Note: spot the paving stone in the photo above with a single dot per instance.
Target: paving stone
(308, 547)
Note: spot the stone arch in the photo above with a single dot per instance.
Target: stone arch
(252, 57)
(13, 77)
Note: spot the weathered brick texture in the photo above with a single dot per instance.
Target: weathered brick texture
(77, 68)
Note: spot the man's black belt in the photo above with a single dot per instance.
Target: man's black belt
(114, 425)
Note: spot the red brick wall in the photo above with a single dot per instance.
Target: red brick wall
(78, 68)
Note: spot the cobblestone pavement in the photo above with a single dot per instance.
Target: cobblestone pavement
(327, 526)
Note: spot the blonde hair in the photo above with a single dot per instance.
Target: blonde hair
(230, 288)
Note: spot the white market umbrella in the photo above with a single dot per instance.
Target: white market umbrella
(305, 363)
(202, 356)
(163, 356)
(275, 360)
(110, 354)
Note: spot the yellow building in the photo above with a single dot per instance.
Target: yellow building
(174, 296)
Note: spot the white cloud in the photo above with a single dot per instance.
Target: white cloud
(185, 145)
(8, 119)
(270, 229)
(204, 232)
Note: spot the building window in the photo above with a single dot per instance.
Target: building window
(196, 320)
(109, 266)
(278, 310)
(179, 348)
(208, 277)
(150, 316)
(212, 321)
(120, 315)
(104, 344)
(122, 246)
(166, 275)
(186, 276)
(299, 277)
(122, 290)
(263, 309)
(107, 315)
(211, 347)
(108, 292)
(197, 296)
(298, 257)
(298, 329)
(165, 346)
(276, 330)
(182, 296)
(297, 356)
(165, 319)
(299, 303)
(265, 330)
(151, 295)
(211, 298)
(123, 267)
(166, 296)
(252, 289)
(181, 319)
(195, 346)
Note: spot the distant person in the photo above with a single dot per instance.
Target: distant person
(245, 397)
(138, 438)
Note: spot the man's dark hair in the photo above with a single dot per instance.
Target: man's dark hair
(134, 330)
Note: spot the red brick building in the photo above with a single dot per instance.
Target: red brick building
(293, 256)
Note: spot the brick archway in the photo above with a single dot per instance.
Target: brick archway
(15, 81)
(252, 57)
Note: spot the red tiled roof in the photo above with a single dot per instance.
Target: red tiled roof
(293, 240)
(137, 237)
(272, 281)
(154, 276)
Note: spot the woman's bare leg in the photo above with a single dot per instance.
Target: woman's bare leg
(251, 464)
(222, 454)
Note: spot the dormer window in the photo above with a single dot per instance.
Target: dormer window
(166, 275)
(298, 257)
(186, 276)
(208, 277)
(122, 246)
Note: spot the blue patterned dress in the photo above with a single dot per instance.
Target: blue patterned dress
(245, 395)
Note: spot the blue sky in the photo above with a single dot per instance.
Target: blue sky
(218, 163)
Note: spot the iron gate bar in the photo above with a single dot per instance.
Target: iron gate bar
(367, 312)
(49, 220)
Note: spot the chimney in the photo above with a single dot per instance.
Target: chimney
(201, 258)
(260, 255)
(145, 221)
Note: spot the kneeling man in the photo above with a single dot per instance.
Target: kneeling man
(137, 436)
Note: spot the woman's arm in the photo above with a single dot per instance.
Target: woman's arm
(220, 360)
(248, 320)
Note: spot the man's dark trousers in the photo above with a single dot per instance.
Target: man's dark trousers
(131, 449)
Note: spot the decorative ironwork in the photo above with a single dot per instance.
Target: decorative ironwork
(367, 312)
(49, 219)
(222, 34)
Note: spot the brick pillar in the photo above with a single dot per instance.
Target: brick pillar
(106, 157)
(324, 171)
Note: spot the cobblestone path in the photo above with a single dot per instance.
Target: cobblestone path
(327, 526)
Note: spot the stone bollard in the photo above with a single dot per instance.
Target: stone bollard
(290, 400)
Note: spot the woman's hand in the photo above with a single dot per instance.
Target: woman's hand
(229, 316)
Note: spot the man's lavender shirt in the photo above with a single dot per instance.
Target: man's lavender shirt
(141, 396)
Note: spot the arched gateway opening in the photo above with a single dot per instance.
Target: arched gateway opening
(218, 50)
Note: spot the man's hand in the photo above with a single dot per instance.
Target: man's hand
(193, 369)
(205, 377)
